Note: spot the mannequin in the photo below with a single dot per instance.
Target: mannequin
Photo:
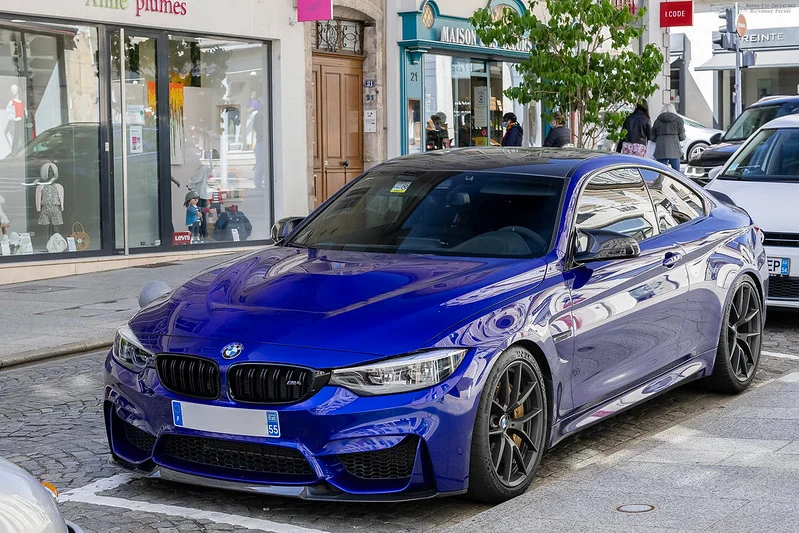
(4, 222)
(50, 199)
(16, 120)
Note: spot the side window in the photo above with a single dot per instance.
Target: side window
(675, 202)
(617, 200)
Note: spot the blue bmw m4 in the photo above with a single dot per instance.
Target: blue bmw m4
(437, 325)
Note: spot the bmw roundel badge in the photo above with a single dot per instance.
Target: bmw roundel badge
(232, 350)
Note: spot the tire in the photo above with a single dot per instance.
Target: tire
(508, 443)
(740, 339)
(695, 150)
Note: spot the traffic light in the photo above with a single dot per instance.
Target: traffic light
(728, 16)
(726, 38)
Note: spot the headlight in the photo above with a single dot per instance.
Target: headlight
(129, 352)
(400, 374)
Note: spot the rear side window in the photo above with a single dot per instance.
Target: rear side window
(675, 202)
(749, 121)
(617, 200)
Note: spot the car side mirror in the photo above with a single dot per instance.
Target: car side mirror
(716, 138)
(152, 291)
(284, 226)
(604, 245)
(712, 173)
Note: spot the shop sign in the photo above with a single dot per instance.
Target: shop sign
(169, 7)
(469, 37)
(767, 38)
(674, 14)
(181, 238)
(312, 10)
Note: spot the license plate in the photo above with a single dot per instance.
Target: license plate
(226, 420)
(779, 266)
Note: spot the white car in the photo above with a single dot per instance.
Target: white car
(762, 177)
(26, 506)
(697, 138)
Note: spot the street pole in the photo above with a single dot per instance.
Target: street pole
(738, 104)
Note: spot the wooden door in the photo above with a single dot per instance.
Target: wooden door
(338, 122)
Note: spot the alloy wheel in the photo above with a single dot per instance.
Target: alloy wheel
(516, 424)
(696, 150)
(744, 332)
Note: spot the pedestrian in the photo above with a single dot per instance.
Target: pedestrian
(559, 135)
(638, 127)
(513, 130)
(667, 132)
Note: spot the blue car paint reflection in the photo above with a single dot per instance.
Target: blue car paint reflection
(611, 334)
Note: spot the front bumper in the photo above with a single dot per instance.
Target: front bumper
(783, 291)
(333, 446)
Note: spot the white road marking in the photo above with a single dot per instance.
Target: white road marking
(88, 494)
(781, 355)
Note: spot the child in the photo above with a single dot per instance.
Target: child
(193, 217)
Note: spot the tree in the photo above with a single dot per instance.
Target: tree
(580, 62)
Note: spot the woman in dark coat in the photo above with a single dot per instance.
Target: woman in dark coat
(513, 131)
(639, 131)
(667, 132)
(559, 135)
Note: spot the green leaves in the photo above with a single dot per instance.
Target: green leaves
(581, 61)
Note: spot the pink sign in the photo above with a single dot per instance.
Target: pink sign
(308, 10)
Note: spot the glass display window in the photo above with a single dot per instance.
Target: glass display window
(49, 139)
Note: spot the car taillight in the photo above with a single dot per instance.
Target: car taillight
(760, 235)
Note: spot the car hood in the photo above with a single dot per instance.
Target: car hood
(26, 506)
(378, 304)
(771, 204)
(716, 155)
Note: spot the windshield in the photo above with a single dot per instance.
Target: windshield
(749, 121)
(771, 155)
(443, 212)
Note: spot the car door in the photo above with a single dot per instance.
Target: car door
(682, 214)
(625, 312)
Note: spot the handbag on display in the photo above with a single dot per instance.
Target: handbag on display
(80, 236)
(56, 244)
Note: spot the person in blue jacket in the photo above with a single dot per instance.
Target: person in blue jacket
(513, 130)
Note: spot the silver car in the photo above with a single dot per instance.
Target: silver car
(26, 506)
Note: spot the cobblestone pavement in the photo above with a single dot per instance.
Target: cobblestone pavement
(51, 422)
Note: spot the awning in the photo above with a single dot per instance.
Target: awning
(764, 59)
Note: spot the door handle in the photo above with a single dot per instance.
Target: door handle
(671, 259)
(345, 163)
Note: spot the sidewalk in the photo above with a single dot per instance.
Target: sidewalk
(732, 469)
(79, 313)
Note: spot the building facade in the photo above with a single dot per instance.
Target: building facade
(772, 33)
(345, 60)
(117, 112)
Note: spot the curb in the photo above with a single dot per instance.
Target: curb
(34, 356)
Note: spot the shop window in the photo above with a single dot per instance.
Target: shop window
(338, 36)
(219, 138)
(464, 101)
(49, 144)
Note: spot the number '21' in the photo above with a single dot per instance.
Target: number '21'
(414, 76)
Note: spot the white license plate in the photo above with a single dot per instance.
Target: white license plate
(226, 420)
(779, 266)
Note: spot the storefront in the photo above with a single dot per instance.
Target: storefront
(775, 72)
(135, 126)
(452, 84)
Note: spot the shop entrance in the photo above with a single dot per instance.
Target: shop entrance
(337, 121)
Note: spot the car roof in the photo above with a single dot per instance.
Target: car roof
(775, 100)
(557, 162)
(787, 121)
